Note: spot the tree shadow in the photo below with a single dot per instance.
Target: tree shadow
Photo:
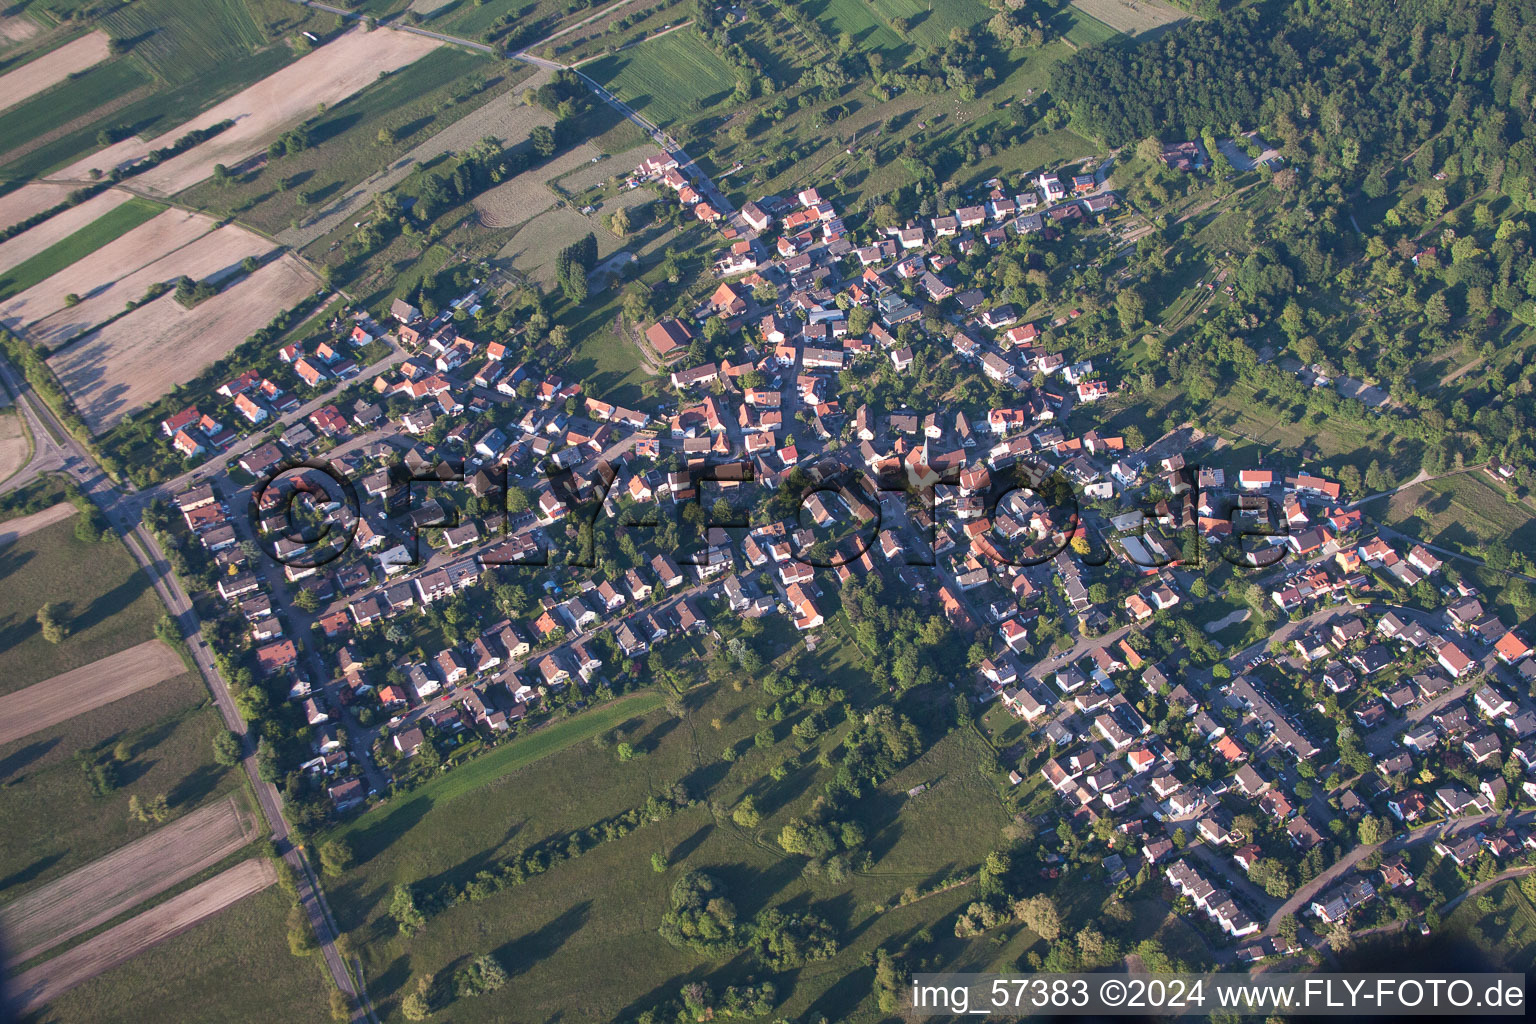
(682, 850)
(16, 760)
(30, 872)
(541, 943)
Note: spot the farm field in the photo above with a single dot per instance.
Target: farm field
(17, 28)
(60, 226)
(41, 984)
(1086, 30)
(263, 111)
(89, 98)
(13, 446)
(1133, 17)
(15, 529)
(118, 220)
(176, 42)
(348, 170)
(93, 895)
(46, 704)
(122, 270)
(31, 199)
(56, 823)
(51, 68)
(128, 363)
(233, 968)
(528, 194)
(107, 609)
(667, 79)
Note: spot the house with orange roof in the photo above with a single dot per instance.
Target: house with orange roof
(807, 616)
(1511, 648)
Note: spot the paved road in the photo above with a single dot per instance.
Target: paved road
(124, 514)
(1454, 826)
(48, 453)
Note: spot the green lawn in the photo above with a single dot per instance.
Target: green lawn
(113, 224)
(54, 823)
(667, 79)
(102, 596)
(869, 30)
(374, 828)
(931, 23)
(233, 968)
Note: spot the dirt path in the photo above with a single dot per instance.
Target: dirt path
(46, 704)
(15, 529)
(114, 884)
(1457, 374)
(49, 980)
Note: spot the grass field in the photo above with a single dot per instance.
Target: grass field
(1083, 29)
(63, 105)
(101, 595)
(1465, 511)
(234, 968)
(1506, 934)
(931, 23)
(667, 79)
(88, 239)
(1133, 17)
(548, 928)
(54, 822)
(177, 42)
(368, 831)
(859, 20)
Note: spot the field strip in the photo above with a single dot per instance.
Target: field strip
(47, 981)
(525, 196)
(213, 254)
(511, 123)
(31, 199)
(46, 704)
(107, 278)
(52, 68)
(14, 529)
(143, 355)
(58, 227)
(265, 110)
(1133, 17)
(114, 884)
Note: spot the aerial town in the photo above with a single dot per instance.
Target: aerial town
(779, 500)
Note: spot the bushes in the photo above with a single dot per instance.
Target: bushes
(41, 377)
